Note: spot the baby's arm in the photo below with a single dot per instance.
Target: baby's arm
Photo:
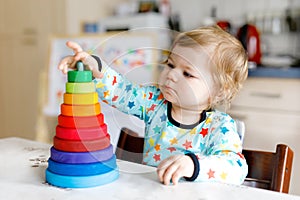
(222, 160)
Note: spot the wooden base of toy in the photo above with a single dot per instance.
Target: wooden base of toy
(81, 181)
(85, 169)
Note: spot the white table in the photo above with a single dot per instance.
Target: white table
(22, 176)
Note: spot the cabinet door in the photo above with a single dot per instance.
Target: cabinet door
(265, 129)
(270, 94)
(24, 30)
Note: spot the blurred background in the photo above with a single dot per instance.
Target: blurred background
(268, 29)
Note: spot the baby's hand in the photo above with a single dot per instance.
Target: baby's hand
(79, 55)
(175, 167)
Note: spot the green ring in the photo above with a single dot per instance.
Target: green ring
(80, 76)
(80, 88)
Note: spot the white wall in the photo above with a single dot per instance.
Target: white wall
(78, 11)
(193, 12)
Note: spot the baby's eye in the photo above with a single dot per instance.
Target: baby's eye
(170, 65)
(187, 74)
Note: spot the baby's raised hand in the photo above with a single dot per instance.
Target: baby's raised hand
(79, 55)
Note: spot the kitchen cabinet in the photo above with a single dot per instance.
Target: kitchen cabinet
(270, 108)
(24, 30)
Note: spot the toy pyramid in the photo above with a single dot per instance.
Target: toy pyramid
(82, 155)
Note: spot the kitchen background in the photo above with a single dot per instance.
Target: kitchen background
(268, 104)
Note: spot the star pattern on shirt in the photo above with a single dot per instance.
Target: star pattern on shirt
(151, 108)
(106, 94)
(131, 104)
(115, 98)
(156, 129)
(193, 131)
(187, 144)
(211, 174)
(134, 92)
(174, 141)
(204, 132)
(156, 157)
(223, 175)
(151, 142)
(224, 130)
(114, 81)
(143, 95)
(157, 147)
(163, 118)
(208, 120)
(100, 85)
(128, 88)
(150, 95)
(163, 134)
(171, 149)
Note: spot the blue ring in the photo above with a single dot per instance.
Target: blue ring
(81, 157)
(85, 169)
(81, 181)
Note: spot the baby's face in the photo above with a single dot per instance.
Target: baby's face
(186, 80)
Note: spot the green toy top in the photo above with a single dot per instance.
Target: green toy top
(80, 75)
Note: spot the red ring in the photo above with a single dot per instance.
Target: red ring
(80, 122)
(81, 145)
(82, 133)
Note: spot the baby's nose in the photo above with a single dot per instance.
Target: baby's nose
(173, 75)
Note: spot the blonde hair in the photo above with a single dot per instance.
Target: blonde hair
(228, 60)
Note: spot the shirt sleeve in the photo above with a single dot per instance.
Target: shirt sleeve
(222, 159)
(128, 97)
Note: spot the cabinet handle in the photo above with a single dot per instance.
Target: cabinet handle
(265, 95)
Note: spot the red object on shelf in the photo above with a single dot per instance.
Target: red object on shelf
(250, 39)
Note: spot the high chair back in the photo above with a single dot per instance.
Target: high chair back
(269, 170)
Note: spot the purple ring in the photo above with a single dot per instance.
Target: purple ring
(81, 157)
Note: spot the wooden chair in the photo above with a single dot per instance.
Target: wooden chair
(267, 170)
(130, 146)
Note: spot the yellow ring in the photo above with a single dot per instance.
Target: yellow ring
(81, 99)
(80, 110)
(79, 88)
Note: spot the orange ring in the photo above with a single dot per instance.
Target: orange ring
(81, 99)
(80, 110)
(81, 145)
(80, 122)
(82, 133)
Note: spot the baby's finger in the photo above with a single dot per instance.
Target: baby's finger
(82, 56)
(176, 176)
(74, 46)
(64, 64)
(169, 174)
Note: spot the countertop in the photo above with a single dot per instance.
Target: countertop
(275, 72)
(23, 164)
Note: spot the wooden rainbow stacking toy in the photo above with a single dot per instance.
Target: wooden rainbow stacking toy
(82, 155)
